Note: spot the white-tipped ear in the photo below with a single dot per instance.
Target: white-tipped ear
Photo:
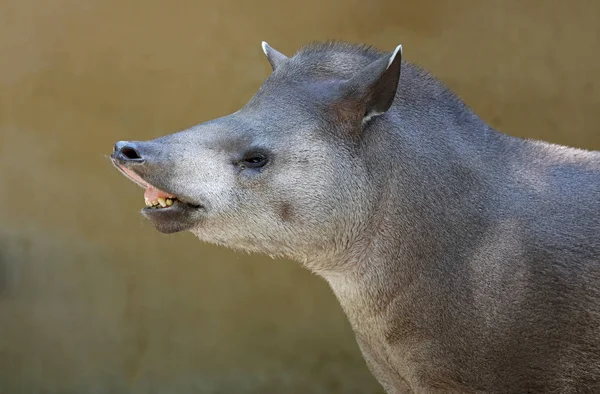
(376, 85)
(265, 47)
(274, 57)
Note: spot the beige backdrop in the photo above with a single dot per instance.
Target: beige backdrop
(94, 300)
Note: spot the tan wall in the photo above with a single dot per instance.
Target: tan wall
(94, 300)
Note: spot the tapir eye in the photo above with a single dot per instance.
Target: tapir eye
(254, 160)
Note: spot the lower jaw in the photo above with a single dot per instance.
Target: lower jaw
(176, 218)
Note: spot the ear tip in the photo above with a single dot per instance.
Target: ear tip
(264, 46)
(398, 50)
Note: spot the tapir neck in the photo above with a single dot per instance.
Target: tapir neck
(434, 175)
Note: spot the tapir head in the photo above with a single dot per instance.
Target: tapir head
(286, 174)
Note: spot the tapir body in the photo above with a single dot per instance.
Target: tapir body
(466, 260)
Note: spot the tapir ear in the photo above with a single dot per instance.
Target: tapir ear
(375, 86)
(274, 57)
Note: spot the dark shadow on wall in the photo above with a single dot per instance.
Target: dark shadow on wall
(13, 251)
(3, 270)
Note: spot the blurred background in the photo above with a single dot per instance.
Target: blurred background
(94, 300)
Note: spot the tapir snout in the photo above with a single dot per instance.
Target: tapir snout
(144, 163)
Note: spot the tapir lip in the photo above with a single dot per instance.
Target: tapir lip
(138, 180)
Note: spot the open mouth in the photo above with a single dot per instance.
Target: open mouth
(155, 198)
(169, 213)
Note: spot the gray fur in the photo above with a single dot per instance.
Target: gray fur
(466, 260)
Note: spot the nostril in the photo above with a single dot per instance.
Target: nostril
(130, 153)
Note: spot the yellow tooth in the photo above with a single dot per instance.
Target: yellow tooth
(162, 202)
(169, 202)
(154, 202)
(147, 202)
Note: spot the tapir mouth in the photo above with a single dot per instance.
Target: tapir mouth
(154, 197)
(169, 211)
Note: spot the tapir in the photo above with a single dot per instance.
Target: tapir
(465, 259)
